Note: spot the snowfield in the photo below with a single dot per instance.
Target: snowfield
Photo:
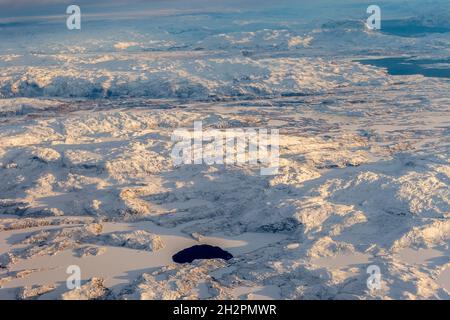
(87, 176)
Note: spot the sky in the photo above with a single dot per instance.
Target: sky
(20, 8)
(15, 10)
(23, 8)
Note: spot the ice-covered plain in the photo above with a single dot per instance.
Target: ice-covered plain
(87, 179)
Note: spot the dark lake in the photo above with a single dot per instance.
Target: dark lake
(439, 68)
(410, 28)
(203, 251)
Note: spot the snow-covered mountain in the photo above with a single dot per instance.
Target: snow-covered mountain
(86, 132)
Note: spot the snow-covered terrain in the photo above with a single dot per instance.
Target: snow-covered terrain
(87, 179)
